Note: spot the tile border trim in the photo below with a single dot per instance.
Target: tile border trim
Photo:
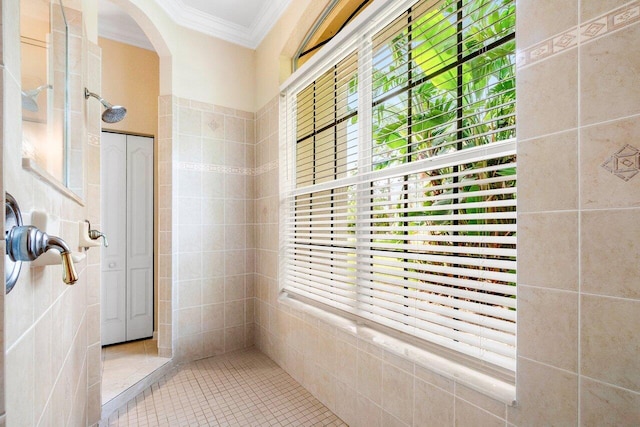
(582, 33)
(228, 170)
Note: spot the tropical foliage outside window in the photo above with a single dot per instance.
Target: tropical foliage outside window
(404, 204)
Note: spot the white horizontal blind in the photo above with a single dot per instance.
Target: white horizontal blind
(413, 224)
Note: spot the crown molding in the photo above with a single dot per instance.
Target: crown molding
(250, 37)
(124, 35)
(266, 19)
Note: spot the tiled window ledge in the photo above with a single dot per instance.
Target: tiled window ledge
(498, 387)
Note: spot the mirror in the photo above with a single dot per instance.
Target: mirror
(51, 49)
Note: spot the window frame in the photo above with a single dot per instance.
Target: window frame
(356, 38)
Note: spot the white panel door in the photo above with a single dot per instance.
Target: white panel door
(113, 175)
(139, 237)
(127, 221)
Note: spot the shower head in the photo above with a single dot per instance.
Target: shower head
(29, 101)
(112, 113)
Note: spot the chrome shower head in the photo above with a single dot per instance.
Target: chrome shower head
(29, 101)
(112, 113)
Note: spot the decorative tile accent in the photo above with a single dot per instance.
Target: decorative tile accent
(624, 164)
(231, 170)
(566, 40)
(625, 16)
(595, 28)
(93, 139)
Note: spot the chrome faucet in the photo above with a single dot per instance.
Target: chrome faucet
(26, 243)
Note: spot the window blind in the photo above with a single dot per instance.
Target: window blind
(400, 203)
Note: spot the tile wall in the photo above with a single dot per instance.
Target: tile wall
(51, 330)
(578, 128)
(578, 241)
(212, 215)
(362, 383)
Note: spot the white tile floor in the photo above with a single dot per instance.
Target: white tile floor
(123, 365)
(243, 388)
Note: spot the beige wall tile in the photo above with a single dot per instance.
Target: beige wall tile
(548, 250)
(190, 149)
(481, 401)
(468, 415)
(213, 342)
(434, 379)
(189, 321)
(603, 405)
(190, 347)
(214, 185)
(346, 403)
(295, 364)
(590, 9)
(320, 383)
(610, 339)
(432, 406)
(190, 183)
(548, 326)
(190, 212)
(598, 144)
(20, 382)
(397, 393)
(550, 88)
(389, 420)
(212, 317)
(539, 20)
(610, 248)
(234, 288)
(189, 266)
(548, 173)
(189, 293)
(370, 377)
(546, 396)
(369, 414)
(233, 338)
(347, 363)
(212, 125)
(213, 290)
(189, 121)
(608, 90)
(326, 355)
(234, 313)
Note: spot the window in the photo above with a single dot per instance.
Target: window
(335, 17)
(399, 185)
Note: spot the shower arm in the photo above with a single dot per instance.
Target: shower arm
(88, 93)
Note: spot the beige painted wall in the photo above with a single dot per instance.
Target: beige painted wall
(273, 55)
(193, 65)
(131, 77)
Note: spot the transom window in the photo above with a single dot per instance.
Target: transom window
(399, 177)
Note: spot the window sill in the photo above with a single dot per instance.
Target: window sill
(474, 377)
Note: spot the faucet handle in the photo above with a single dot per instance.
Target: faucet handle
(95, 234)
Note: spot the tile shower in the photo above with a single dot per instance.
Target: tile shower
(576, 210)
